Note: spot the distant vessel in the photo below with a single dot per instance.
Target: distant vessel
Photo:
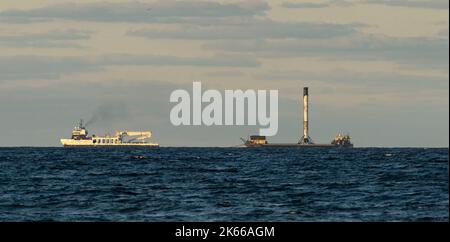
(80, 138)
(305, 141)
(260, 141)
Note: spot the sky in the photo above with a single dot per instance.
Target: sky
(376, 69)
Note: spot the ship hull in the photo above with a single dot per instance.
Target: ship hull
(113, 146)
(89, 143)
(295, 145)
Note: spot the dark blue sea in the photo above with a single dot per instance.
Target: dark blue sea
(224, 184)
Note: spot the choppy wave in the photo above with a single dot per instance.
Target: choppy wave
(223, 184)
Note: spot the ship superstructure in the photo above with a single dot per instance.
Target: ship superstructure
(80, 138)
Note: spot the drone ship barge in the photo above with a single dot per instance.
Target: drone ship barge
(80, 138)
(340, 141)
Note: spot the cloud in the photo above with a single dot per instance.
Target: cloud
(250, 29)
(160, 60)
(433, 4)
(384, 83)
(161, 11)
(305, 5)
(41, 67)
(48, 67)
(315, 4)
(55, 38)
(215, 74)
(430, 4)
(424, 52)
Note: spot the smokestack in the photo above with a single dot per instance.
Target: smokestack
(305, 138)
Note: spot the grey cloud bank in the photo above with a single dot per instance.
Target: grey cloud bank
(373, 83)
(251, 29)
(305, 5)
(137, 11)
(430, 4)
(424, 52)
(433, 4)
(49, 67)
(312, 5)
(41, 67)
(55, 38)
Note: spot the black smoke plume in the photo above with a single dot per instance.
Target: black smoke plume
(108, 114)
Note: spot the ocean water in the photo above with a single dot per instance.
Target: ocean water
(224, 184)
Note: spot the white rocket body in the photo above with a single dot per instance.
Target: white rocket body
(305, 138)
(305, 115)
